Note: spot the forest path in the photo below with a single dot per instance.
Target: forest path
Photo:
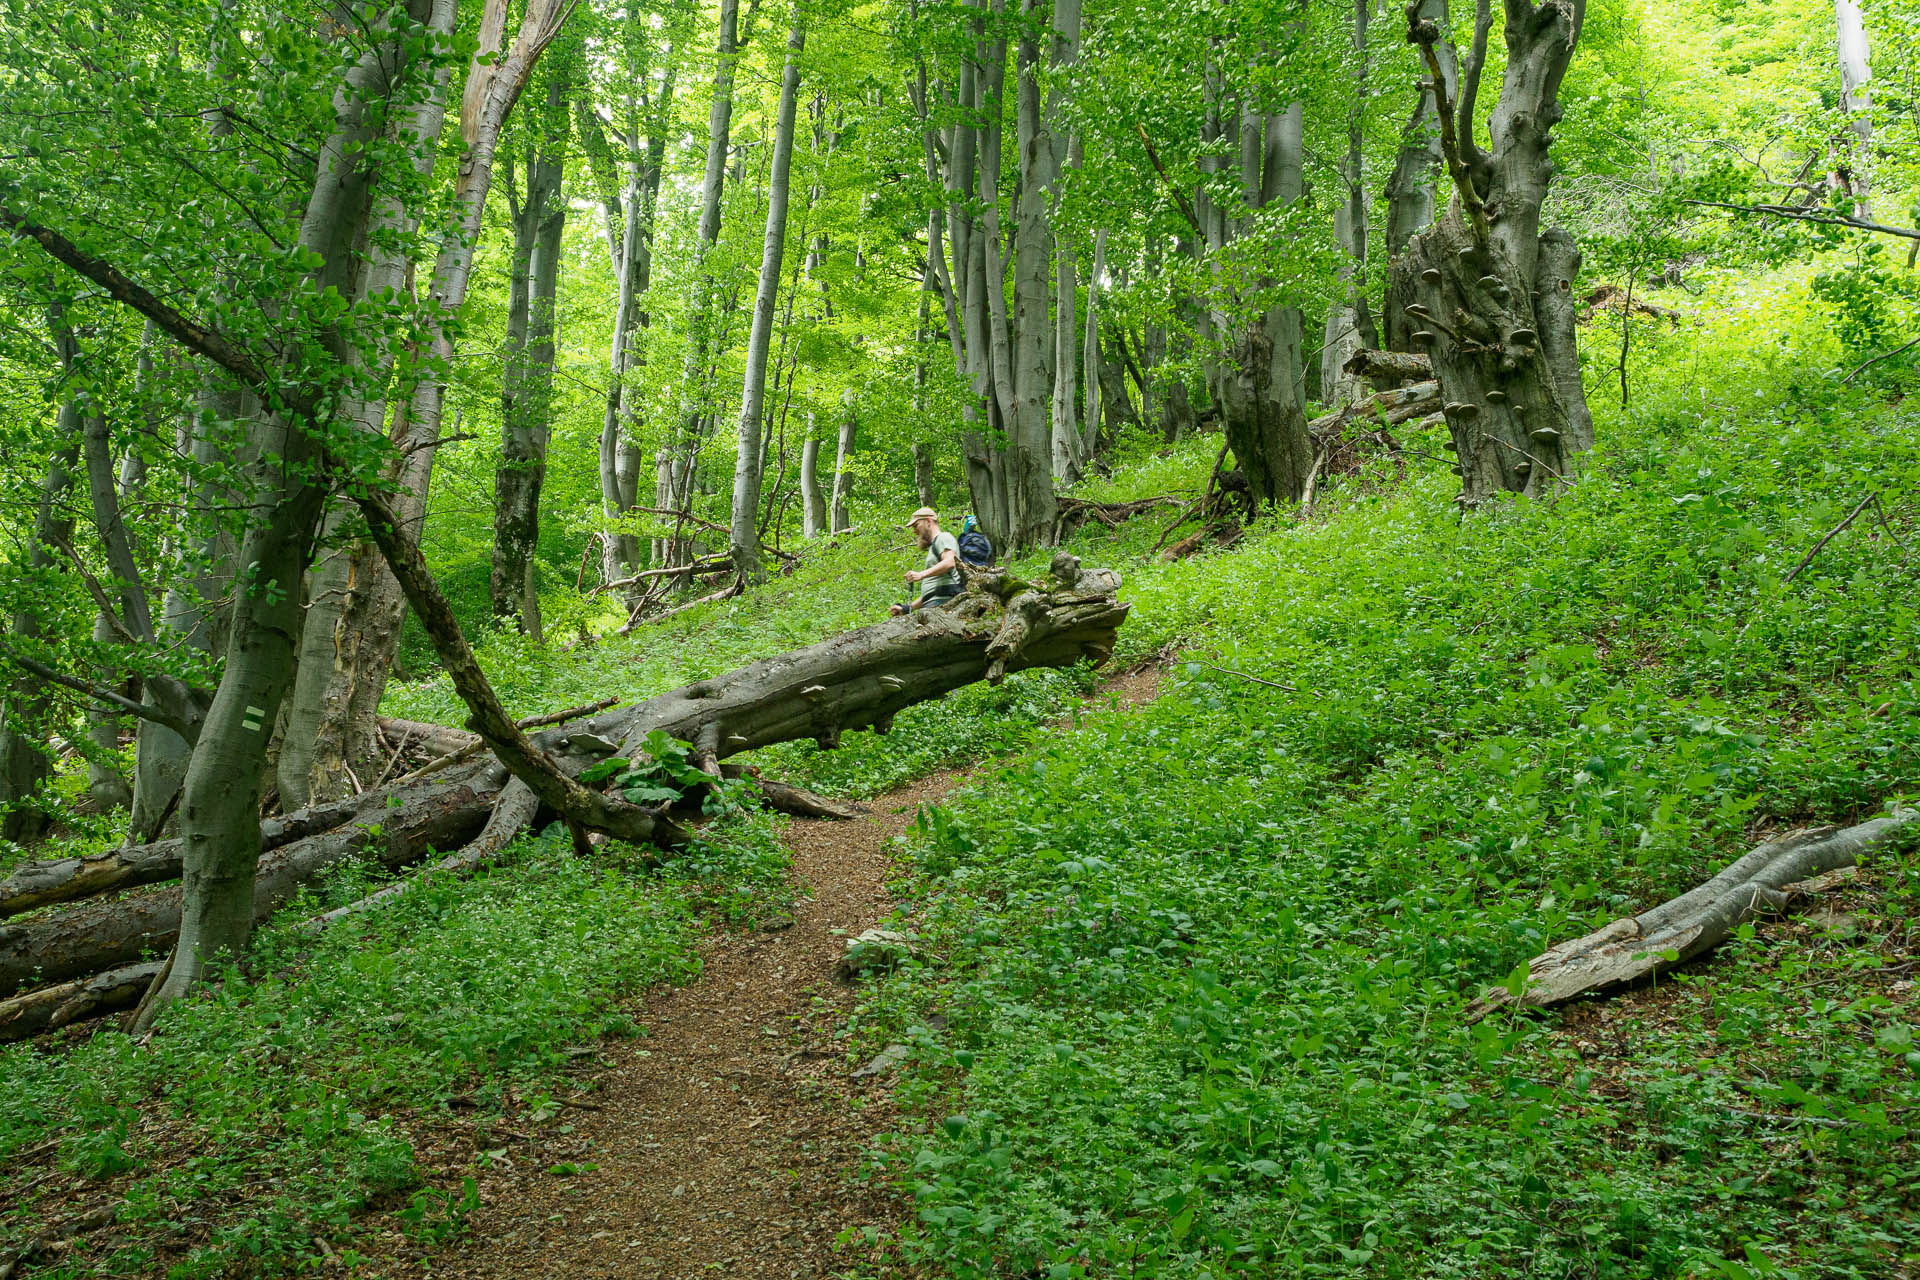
(725, 1142)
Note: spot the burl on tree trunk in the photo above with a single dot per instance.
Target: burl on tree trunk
(1492, 297)
(855, 680)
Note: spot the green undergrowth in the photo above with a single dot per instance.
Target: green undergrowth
(290, 1100)
(298, 1099)
(1190, 993)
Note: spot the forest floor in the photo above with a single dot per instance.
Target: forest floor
(729, 1139)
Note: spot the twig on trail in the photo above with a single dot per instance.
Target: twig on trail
(1271, 684)
(584, 1106)
(1831, 535)
(1867, 364)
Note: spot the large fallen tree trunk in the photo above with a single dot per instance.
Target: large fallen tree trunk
(1695, 922)
(856, 680)
(85, 939)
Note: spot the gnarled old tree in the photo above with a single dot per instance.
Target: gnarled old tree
(1493, 295)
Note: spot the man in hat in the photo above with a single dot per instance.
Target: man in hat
(940, 579)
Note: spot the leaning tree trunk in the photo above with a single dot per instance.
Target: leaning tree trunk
(1492, 295)
(744, 535)
(220, 799)
(855, 680)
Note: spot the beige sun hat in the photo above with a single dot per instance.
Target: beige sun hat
(924, 513)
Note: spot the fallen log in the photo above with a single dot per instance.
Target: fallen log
(429, 739)
(856, 680)
(1394, 366)
(1383, 408)
(51, 1008)
(41, 884)
(1693, 923)
(94, 936)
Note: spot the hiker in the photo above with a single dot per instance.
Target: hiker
(940, 579)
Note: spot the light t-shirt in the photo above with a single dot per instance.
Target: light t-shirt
(943, 542)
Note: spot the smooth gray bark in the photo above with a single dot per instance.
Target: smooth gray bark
(744, 535)
(1349, 327)
(702, 321)
(1856, 100)
(813, 501)
(841, 515)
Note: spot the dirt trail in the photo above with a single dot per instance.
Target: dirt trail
(726, 1141)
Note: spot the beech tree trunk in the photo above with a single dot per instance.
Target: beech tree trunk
(630, 211)
(527, 393)
(703, 301)
(744, 536)
(221, 796)
(1349, 327)
(1856, 99)
(842, 517)
(1261, 388)
(1493, 296)
(813, 501)
(1416, 169)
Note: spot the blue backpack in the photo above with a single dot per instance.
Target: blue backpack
(976, 552)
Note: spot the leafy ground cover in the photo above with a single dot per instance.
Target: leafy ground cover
(1192, 980)
(304, 1098)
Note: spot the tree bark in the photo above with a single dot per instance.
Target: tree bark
(1856, 100)
(1416, 169)
(630, 233)
(842, 515)
(360, 646)
(813, 502)
(1260, 388)
(744, 536)
(695, 386)
(1491, 294)
(1349, 327)
(527, 393)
